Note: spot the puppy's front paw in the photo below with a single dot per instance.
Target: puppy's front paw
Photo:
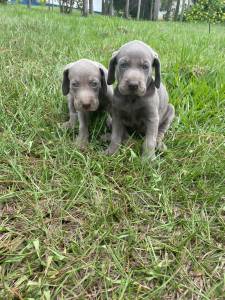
(81, 143)
(149, 155)
(67, 125)
(110, 150)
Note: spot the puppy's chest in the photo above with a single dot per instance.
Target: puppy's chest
(133, 117)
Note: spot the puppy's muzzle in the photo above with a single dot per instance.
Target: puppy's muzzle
(89, 104)
(86, 106)
(133, 86)
(85, 102)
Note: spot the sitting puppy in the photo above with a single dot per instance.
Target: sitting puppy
(84, 83)
(139, 102)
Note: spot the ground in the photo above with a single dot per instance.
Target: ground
(80, 225)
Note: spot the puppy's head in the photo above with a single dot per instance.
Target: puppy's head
(84, 80)
(132, 65)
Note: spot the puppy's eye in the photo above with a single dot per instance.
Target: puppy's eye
(93, 84)
(75, 84)
(124, 65)
(145, 67)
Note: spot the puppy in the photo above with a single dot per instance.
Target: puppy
(84, 83)
(139, 102)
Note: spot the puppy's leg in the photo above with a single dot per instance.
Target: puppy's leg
(150, 137)
(117, 134)
(125, 136)
(72, 121)
(164, 126)
(73, 114)
(107, 137)
(109, 121)
(83, 135)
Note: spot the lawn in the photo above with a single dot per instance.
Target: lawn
(80, 225)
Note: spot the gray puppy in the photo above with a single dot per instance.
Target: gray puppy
(139, 102)
(84, 83)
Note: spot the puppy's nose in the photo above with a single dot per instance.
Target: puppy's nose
(133, 86)
(86, 106)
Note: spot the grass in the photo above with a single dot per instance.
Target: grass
(84, 226)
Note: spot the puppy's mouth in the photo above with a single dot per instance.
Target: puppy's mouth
(89, 109)
(85, 107)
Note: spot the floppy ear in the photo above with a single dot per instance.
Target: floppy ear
(66, 83)
(112, 67)
(156, 65)
(103, 81)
